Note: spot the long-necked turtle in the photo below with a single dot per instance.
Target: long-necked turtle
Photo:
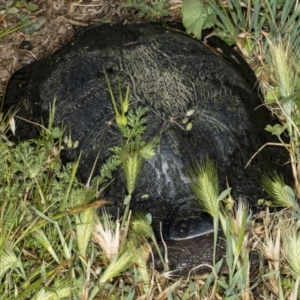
(170, 73)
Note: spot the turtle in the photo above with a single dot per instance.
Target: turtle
(171, 74)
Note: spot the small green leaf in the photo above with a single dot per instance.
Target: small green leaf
(9, 3)
(277, 129)
(32, 27)
(127, 200)
(209, 16)
(149, 218)
(297, 216)
(190, 112)
(19, 4)
(268, 203)
(260, 201)
(147, 152)
(224, 194)
(13, 10)
(272, 95)
(32, 7)
(289, 193)
(39, 24)
(185, 120)
(125, 103)
(290, 196)
(76, 143)
(189, 126)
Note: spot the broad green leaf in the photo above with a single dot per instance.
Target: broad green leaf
(197, 17)
(209, 17)
(191, 16)
(277, 129)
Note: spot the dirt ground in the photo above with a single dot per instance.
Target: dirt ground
(61, 20)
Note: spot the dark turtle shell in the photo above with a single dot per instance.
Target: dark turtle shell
(170, 73)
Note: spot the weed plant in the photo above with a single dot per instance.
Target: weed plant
(51, 218)
(267, 34)
(151, 10)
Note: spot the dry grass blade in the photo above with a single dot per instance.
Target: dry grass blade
(107, 236)
(143, 277)
(239, 237)
(167, 292)
(291, 250)
(270, 249)
(8, 261)
(294, 294)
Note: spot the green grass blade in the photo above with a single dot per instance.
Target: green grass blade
(40, 236)
(224, 18)
(85, 224)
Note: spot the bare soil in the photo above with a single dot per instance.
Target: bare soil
(62, 19)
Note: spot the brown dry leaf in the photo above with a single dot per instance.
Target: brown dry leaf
(164, 294)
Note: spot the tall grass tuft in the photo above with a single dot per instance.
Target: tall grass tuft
(108, 236)
(204, 183)
(282, 65)
(291, 252)
(281, 194)
(141, 225)
(235, 223)
(85, 224)
(125, 259)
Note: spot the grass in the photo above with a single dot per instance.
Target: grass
(55, 245)
(23, 23)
